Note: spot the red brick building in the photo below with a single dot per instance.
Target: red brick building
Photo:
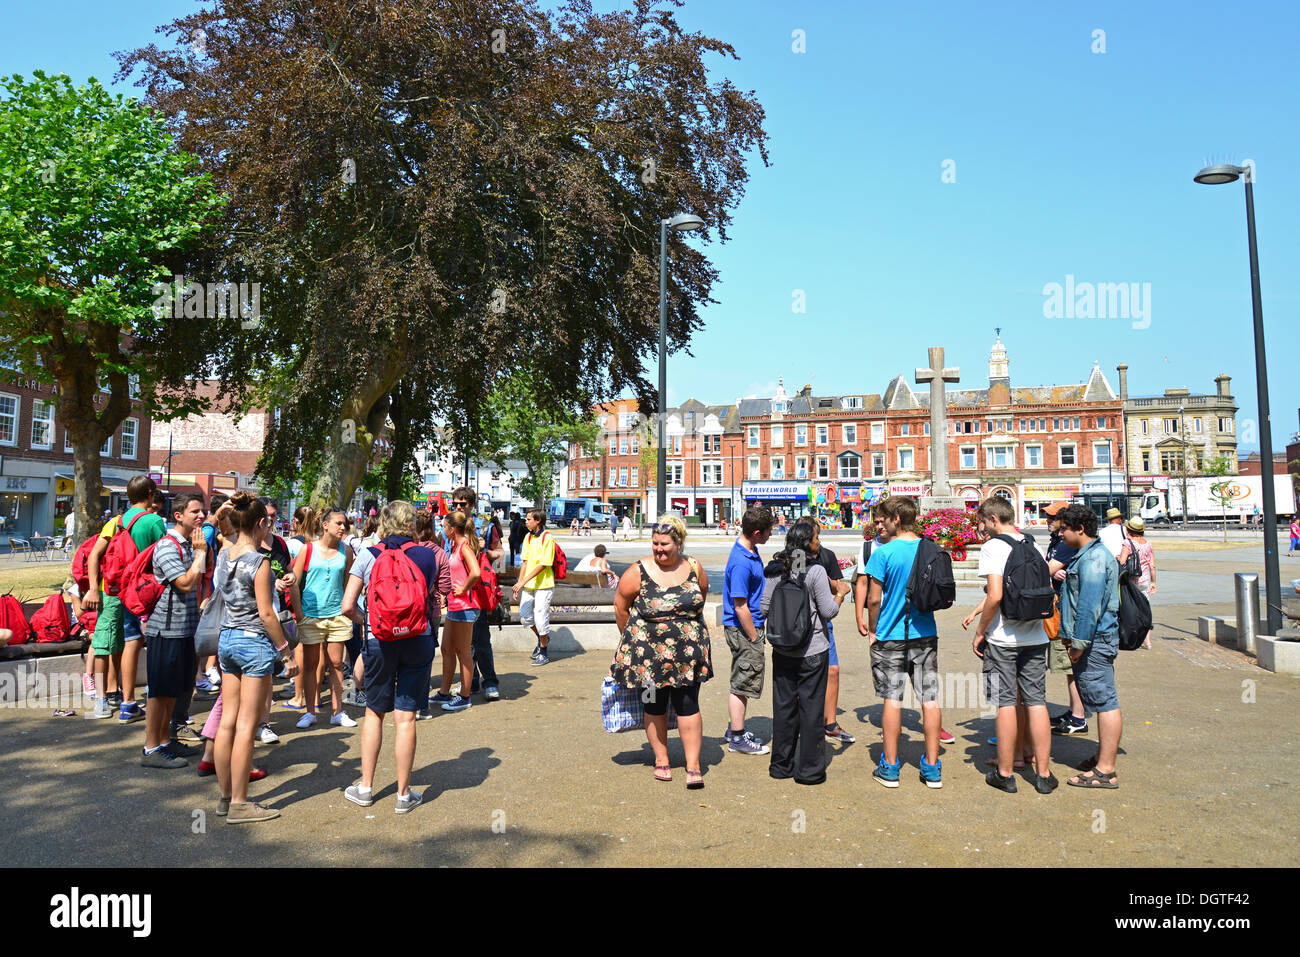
(211, 450)
(36, 474)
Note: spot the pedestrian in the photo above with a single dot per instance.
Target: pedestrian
(277, 553)
(179, 562)
(627, 526)
(462, 610)
(904, 642)
(1090, 621)
(430, 538)
(517, 532)
(117, 631)
(827, 559)
(1295, 535)
(1059, 555)
(596, 562)
(488, 531)
(659, 609)
(537, 584)
(1014, 652)
(742, 625)
(1112, 533)
(1147, 558)
(251, 639)
(613, 526)
(397, 668)
(799, 675)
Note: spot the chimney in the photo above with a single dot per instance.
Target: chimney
(1222, 383)
(1122, 369)
(806, 391)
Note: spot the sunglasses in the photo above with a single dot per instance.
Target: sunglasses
(460, 504)
(664, 528)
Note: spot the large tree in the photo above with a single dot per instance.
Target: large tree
(96, 206)
(438, 192)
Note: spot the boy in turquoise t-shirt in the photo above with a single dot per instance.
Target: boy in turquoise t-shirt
(903, 642)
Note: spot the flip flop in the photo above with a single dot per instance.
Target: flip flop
(694, 780)
(291, 706)
(1093, 779)
(667, 774)
(65, 713)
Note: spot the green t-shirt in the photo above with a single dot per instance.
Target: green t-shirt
(144, 532)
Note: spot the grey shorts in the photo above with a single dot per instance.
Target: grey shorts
(1058, 658)
(1094, 673)
(748, 662)
(1008, 670)
(893, 662)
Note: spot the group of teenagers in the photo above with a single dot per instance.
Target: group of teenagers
(299, 608)
(665, 647)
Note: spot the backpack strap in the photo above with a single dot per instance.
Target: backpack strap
(132, 522)
(306, 562)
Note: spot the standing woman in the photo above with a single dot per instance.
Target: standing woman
(250, 641)
(659, 608)
(1147, 556)
(320, 569)
(462, 610)
(428, 537)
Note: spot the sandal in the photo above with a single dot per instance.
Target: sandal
(666, 775)
(694, 780)
(1094, 779)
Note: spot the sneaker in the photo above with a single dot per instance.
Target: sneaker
(1070, 725)
(357, 796)
(250, 813)
(839, 734)
(491, 692)
(541, 658)
(223, 806)
(161, 758)
(102, 709)
(424, 714)
(342, 720)
(186, 735)
(359, 699)
(267, 736)
(130, 712)
(995, 780)
(931, 774)
(214, 676)
(440, 699)
(115, 699)
(945, 737)
(204, 686)
(207, 769)
(1045, 785)
(458, 703)
(886, 773)
(408, 803)
(181, 750)
(306, 721)
(747, 744)
(88, 685)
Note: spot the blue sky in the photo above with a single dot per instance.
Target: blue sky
(1067, 162)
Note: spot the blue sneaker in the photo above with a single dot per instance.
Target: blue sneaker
(440, 698)
(458, 703)
(931, 774)
(130, 712)
(886, 773)
(747, 744)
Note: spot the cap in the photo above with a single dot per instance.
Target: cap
(1056, 508)
(1113, 513)
(1136, 525)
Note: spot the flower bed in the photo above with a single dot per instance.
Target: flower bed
(953, 528)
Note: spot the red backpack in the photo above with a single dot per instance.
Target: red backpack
(561, 565)
(81, 564)
(12, 617)
(52, 621)
(140, 587)
(487, 596)
(397, 599)
(121, 553)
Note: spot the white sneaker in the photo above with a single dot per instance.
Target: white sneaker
(267, 736)
(306, 721)
(214, 676)
(343, 719)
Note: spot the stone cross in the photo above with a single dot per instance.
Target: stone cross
(937, 375)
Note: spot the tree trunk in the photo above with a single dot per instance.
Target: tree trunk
(78, 386)
(346, 462)
(399, 410)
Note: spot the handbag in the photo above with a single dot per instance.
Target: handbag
(208, 632)
(1053, 625)
(622, 708)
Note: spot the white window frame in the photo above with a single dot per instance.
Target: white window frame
(849, 434)
(1096, 459)
(925, 428)
(800, 465)
(776, 466)
(1074, 453)
(135, 438)
(877, 433)
(1033, 448)
(973, 452)
(905, 428)
(17, 417)
(911, 463)
(107, 449)
(991, 450)
(676, 473)
(857, 466)
(823, 435)
(776, 436)
(752, 468)
(622, 476)
(1196, 424)
(613, 445)
(47, 420)
(636, 476)
(753, 437)
(801, 435)
(823, 469)
(67, 443)
(877, 464)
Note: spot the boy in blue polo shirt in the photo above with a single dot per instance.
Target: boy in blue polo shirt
(742, 623)
(903, 642)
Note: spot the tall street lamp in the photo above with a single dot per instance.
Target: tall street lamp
(1214, 176)
(681, 223)
(731, 508)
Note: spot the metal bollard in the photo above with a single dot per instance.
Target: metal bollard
(1248, 626)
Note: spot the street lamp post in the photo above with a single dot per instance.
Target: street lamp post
(681, 223)
(1182, 438)
(731, 508)
(1213, 176)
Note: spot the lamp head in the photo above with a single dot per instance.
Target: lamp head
(684, 222)
(1222, 173)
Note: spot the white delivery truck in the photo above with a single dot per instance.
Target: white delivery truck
(1243, 493)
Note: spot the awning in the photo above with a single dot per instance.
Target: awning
(112, 490)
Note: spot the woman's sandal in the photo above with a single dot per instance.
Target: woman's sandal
(666, 775)
(1094, 779)
(694, 780)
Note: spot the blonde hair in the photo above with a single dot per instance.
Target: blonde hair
(676, 527)
(396, 518)
(464, 525)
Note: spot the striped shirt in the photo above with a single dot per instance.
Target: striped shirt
(177, 613)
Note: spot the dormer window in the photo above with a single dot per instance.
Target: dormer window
(853, 402)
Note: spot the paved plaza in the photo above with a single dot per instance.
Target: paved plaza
(1207, 774)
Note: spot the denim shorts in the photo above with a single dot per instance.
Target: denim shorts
(243, 652)
(1094, 675)
(397, 673)
(834, 661)
(468, 614)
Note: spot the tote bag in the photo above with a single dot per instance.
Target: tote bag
(621, 707)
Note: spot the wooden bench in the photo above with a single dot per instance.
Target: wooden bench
(41, 649)
(580, 598)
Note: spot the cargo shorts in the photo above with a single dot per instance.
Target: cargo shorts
(1058, 657)
(748, 662)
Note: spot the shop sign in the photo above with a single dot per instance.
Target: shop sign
(907, 488)
(16, 483)
(1156, 481)
(970, 495)
(1052, 492)
(776, 490)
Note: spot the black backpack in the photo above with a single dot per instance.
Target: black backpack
(931, 586)
(789, 619)
(1132, 568)
(1027, 591)
(1134, 615)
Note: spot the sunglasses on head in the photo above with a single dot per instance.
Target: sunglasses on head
(664, 528)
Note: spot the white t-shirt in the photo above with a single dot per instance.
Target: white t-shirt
(861, 555)
(1006, 632)
(1112, 536)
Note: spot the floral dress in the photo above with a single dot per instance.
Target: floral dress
(665, 643)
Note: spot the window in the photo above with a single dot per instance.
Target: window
(712, 443)
(613, 445)
(622, 476)
(1171, 426)
(1042, 425)
(777, 466)
(778, 435)
(877, 464)
(1022, 425)
(42, 425)
(977, 427)
(850, 466)
(968, 457)
(711, 474)
(107, 450)
(675, 444)
(636, 444)
(8, 419)
(1196, 424)
(905, 429)
(1001, 456)
(626, 420)
(1100, 454)
(1225, 424)
(801, 435)
(850, 434)
(636, 476)
(823, 434)
(675, 474)
(1146, 462)
(622, 445)
(1033, 456)
(1056, 425)
(753, 436)
(1076, 423)
(1171, 463)
(1067, 455)
(801, 466)
(67, 441)
(823, 466)
(1101, 422)
(130, 432)
(853, 402)
(1146, 427)
(925, 429)
(877, 433)
(905, 460)
(753, 467)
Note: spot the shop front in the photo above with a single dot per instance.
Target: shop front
(1038, 497)
(788, 500)
(708, 508)
(24, 506)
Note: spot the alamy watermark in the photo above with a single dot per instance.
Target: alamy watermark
(212, 300)
(1103, 300)
(37, 690)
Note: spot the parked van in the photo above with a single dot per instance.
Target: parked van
(563, 511)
